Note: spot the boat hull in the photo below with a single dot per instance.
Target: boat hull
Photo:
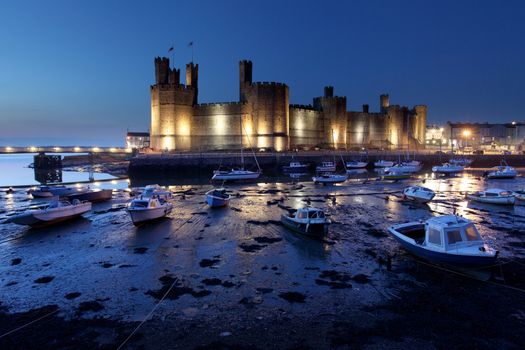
(313, 230)
(441, 257)
(215, 201)
(47, 217)
(142, 215)
(357, 165)
(510, 200)
(93, 196)
(328, 181)
(235, 177)
(295, 169)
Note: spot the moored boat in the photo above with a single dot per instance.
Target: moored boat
(295, 167)
(57, 190)
(329, 178)
(419, 194)
(448, 169)
(217, 197)
(384, 163)
(503, 171)
(93, 196)
(354, 164)
(145, 209)
(55, 212)
(493, 196)
(307, 221)
(405, 168)
(326, 167)
(520, 195)
(395, 174)
(449, 240)
(235, 175)
(461, 161)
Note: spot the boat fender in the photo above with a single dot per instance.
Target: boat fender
(75, 202)
(482, 249)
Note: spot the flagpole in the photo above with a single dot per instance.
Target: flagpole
(192, 44)
(173, 54)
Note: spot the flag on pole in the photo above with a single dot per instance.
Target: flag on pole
(170, 49)
(190, 44)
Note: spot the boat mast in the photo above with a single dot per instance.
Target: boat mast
(242, 154)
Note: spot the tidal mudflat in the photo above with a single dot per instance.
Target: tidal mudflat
(235, 278)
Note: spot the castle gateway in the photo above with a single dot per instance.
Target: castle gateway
(179, 122)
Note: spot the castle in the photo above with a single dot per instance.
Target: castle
(179, 122)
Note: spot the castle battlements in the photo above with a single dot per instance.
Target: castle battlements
(179, 122)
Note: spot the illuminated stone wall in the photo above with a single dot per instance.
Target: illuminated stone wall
(179, 122)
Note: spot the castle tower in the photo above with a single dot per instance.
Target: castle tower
(384, 102)
(245, 78)
(171, 107)
(192, 79)
(335, 121)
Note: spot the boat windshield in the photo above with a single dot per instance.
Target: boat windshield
(472, 234)
(316, 214)
(140, 204)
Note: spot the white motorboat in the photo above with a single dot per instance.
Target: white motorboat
(493, 196)
(238, 174)
(383, 164)
(217, 197)
(465, 162)
(354, 164)
(329, 178)
(419, 194)
(448, 239)
(158, 191)
(295, 167)
(55, 212)
(58, 190)
(504, 171)
(307, 221)
(448, 169)
(412, 163)
(326, 167)
(394, 173)
(144, 209)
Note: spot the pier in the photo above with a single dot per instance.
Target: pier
(63, 149)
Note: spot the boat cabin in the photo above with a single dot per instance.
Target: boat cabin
(495, 192)
(445, 233)
(309, 213)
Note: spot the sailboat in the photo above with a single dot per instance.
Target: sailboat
(238, 174)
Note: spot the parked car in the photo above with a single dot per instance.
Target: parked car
(506, 153)
(478, 151)
(440, 153)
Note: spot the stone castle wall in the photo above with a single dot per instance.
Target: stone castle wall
(179, 122)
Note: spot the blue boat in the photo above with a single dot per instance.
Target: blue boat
(217, 197)
(445, 240)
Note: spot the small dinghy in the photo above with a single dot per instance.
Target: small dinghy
(449, 240)
(58, 190)
(493, 196)
(217, 197)
(419, 194)
(448, 169)
(93, 196)
(144, 209)
(325, 167)
(504, 171)
(295, 167)
(329, 179)
(394, 173)
(405, 168)
(54, 213)
(383, 164)
(354, 164)
(307, 221)
(413, 163)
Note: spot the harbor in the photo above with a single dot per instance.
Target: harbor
(218, 277)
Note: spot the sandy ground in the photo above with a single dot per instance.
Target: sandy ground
(240, 280)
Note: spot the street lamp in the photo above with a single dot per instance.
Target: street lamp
(466, 134)
(515, 136)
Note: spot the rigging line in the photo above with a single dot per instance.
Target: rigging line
(472, 277)
(149, 314)
(29, 323)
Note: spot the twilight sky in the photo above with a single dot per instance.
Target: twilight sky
(78, 72)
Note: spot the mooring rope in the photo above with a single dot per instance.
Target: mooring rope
(29, 323)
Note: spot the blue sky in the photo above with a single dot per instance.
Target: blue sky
(78, 72)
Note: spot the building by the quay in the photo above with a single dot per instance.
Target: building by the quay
(137, 140)
(484, 136)
(267, 120)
